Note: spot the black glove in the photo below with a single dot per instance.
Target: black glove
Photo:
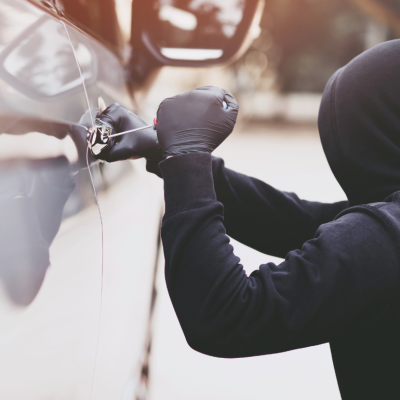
(132, 145)
(195, 121)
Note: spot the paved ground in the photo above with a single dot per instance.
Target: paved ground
(289, 158)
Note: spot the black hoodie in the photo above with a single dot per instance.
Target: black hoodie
(339, 281)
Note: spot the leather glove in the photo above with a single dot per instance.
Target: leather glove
(195, 121)
(132, 145)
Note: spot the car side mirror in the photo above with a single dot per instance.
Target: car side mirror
(197, 32)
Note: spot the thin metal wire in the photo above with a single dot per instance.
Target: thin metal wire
(80, 71)
(98, 208)
(132, 130)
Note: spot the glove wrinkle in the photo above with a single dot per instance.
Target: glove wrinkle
(195, 121)
(132, 145)
(191, 122)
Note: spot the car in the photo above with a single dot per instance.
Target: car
(79, 239)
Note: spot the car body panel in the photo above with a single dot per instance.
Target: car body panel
(52, 339)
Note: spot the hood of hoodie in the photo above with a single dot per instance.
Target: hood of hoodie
(359, 124)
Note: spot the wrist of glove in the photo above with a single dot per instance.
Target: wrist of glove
(196, 121)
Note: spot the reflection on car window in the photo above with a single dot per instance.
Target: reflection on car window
(39, 62)
(124, 14)
(226, 14)
(197, 23)
(98, 18)
(15, 17)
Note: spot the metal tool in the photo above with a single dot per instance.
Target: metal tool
(99, 136)
(154, 126)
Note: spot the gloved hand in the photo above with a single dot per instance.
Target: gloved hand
(195, 121)
(132, 145)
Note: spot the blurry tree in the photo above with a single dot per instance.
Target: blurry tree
(303, 42)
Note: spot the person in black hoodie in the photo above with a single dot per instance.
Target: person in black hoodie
(339, 280)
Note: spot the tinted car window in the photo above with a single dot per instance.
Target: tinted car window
(98, 18)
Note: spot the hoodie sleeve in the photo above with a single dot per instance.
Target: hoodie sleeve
(250, 205)
(340, 281)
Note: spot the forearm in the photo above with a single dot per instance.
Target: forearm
(203, 275)
(250, 205)
(222, 312)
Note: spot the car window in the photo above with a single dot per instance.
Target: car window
(39, 64)
(124, 14)
(97, 18)
(13, 23)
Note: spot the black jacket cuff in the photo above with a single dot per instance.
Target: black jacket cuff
(188, 181)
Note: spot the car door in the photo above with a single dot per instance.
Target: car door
(75, 279)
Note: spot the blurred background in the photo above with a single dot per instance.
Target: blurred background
(278, 83)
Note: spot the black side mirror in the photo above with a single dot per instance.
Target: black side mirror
(196, 32)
